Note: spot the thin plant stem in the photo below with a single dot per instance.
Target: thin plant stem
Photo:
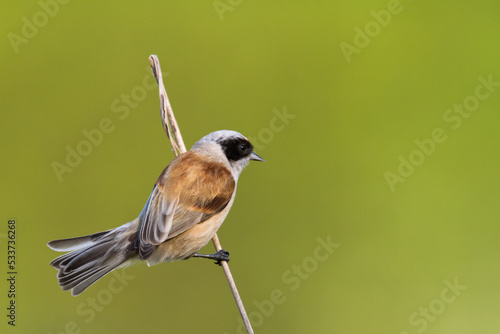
(174, 135)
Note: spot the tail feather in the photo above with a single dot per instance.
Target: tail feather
(70, 244)
(61, 261)
(80, 279)
(84, 284)
(68, 282)
(90, 257)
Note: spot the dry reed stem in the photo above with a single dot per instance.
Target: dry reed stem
(174, 135)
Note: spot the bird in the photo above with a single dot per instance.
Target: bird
(189, 202)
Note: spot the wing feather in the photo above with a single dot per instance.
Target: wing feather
(188, 190)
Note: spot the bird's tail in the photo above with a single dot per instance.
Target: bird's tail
(90, 257)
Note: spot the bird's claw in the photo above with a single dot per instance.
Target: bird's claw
(222, 255)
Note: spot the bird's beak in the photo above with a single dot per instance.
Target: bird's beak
(255, 157)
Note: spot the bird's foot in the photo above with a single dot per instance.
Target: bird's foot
(222, 255)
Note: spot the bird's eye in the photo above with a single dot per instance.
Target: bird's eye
(243, 147)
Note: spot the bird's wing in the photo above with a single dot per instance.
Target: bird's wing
(182, 198)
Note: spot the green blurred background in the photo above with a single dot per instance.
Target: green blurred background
(350, 118)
